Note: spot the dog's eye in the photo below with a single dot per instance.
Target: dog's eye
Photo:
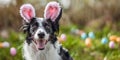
(34, 28)
(45, 25)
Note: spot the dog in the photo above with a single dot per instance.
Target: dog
(41, 33)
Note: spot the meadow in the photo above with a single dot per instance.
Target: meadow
(91, 28)
(78, 49)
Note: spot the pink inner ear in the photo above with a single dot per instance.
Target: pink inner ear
(52, 11)
(27, 12)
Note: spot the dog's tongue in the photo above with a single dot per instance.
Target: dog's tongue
(41, 44)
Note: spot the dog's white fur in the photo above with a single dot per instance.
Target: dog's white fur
(40, 29)
(49, 53)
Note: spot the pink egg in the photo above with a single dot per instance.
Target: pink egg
(13, 51)
(63, 36)
(4, 34)
(111, 44)
(5, 44)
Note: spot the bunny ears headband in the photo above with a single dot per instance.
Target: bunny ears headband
(52, 11)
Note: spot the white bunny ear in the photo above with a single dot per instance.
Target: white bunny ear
(52, 11)
(27, 12)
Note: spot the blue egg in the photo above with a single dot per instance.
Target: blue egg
(91, 35)
(83, 36)
(73, 30)
(104, 40)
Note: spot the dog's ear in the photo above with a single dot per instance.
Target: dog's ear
(53, 12)
(27, 12)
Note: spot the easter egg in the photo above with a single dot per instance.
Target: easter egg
(76, 31)
(113, 38)
(1, 45)
(83, 36)
(79, 32)
(4, 34)
(13, 51)
(104, 40)
(118, 40)
(91, 35)
(6, 44)
(111, 44)
(60, 40)
(88, 42)
(63, 36)
(73, 30)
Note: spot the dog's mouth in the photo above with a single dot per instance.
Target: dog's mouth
(40, 44)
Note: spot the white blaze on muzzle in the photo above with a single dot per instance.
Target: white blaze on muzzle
(41, 42)
(41, 30)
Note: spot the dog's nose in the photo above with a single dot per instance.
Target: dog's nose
(41, 35)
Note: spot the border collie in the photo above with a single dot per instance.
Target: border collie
(41, 40)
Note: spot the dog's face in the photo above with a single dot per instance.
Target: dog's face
(40, 30)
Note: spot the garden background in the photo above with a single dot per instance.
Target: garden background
(91, 28)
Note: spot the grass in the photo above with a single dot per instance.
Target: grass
(76, 46)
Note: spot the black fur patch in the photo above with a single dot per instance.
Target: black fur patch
(49, 26)
(27, 29)
(64, 54)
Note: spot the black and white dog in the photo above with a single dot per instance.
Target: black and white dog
(41, 40)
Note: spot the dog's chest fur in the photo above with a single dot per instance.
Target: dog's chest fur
(50, 53)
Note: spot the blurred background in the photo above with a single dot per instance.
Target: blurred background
(91, 28)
